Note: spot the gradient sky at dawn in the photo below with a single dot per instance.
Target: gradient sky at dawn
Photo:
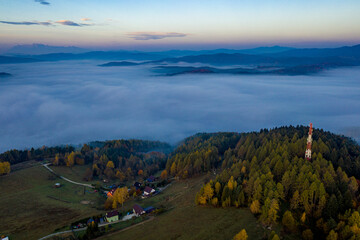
(180, 24)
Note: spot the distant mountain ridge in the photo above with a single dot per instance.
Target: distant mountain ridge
(9, 60)
(287, 60)
(344, 56)
(38, 48)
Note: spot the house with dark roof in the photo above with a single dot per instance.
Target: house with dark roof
(148, 191)
(138, 210)
(151, 179)
(112, 216)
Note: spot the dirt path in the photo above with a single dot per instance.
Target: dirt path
(58, 233)
(66, 179)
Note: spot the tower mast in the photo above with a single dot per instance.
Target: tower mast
(308, 145)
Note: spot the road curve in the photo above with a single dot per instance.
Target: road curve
(46, 165)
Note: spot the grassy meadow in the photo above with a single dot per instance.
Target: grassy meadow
(31, 207)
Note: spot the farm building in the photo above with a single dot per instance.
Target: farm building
(112, 216)
(148, 191)
(138, 210)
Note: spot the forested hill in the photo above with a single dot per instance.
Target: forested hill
(205, 151)
(267, 172)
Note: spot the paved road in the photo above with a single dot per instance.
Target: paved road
(66, 179)
(100, 225)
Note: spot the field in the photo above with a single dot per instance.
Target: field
(31, 207)
(185, 220)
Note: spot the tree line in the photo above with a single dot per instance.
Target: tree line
(122, 159)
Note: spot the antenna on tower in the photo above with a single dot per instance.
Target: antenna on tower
(308, 145)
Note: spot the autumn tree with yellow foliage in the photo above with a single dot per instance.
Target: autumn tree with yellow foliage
(120, 196)
(70, 160)
(110, 164)
(164, 174)
(255, 207)
(242, 235)
(4, 168)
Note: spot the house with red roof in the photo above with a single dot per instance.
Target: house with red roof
(138, 210)
(148, 191)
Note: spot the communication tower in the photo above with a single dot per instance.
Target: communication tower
(308, 145)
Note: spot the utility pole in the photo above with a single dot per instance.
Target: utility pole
(308, 145)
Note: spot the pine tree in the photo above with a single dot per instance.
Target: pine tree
(295, 200)
(307, 235)
(255, 207)
(332, 235)
(289, 222)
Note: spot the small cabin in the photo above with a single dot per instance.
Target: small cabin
(57, 185)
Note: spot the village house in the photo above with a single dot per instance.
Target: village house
(112, 216)
(138, 210)
(148, 191)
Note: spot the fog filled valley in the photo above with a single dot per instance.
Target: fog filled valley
(72, 102)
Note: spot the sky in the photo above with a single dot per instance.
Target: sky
(179, 24)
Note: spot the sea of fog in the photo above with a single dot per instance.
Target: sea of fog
(73, 102)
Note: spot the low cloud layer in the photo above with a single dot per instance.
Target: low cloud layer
(43, 2)
(49, 23)
(52, 103)
(154, 35)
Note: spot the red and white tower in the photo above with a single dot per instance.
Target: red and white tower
(308, 145)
